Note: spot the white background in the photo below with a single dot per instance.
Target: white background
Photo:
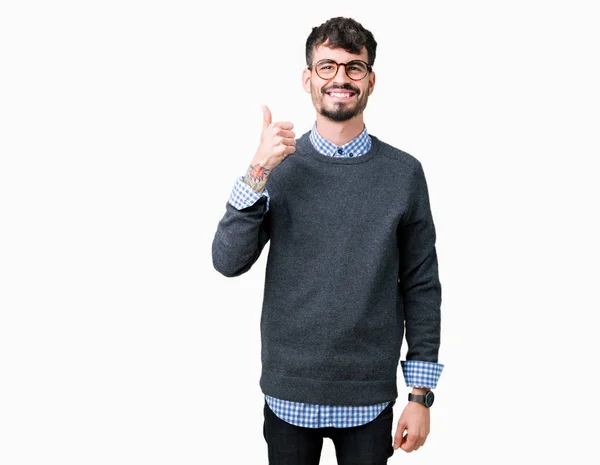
(123, 127)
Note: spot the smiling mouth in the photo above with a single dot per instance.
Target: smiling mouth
(341, 95)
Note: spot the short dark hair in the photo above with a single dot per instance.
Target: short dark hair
(343, 33)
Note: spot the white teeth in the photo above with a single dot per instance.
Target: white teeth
(337, 94)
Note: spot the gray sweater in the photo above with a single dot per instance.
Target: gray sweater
(352, 266)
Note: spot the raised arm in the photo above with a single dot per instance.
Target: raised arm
(243, 231)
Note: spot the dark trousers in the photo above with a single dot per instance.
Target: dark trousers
(368, 444)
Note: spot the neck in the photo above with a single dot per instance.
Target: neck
(340, 132)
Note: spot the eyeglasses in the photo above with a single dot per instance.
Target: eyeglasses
(355, 70)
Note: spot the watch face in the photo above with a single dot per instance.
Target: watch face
(429, 398)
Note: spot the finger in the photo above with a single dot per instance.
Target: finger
(284, 141)
(287, 150)
(419, 443)
(288, 141)
(410, 443)
(284, 125)
(266, 116)
(421, 439)
(285, 133)
(399, 441)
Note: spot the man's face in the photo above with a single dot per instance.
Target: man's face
(338, 108)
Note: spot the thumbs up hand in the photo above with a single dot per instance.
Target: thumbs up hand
(277, 141)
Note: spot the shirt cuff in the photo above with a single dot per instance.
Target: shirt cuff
(421, 374)
(242, 195)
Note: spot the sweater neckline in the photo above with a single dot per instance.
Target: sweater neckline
(306, 145)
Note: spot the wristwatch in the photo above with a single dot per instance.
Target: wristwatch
(426, 400)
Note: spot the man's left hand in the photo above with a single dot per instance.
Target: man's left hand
(415, 419)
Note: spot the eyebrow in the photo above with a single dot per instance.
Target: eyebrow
(331, 59)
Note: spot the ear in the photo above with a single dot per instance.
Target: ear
(371, 82)
(306, 74)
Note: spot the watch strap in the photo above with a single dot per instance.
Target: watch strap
(426, 400)
(416, 398)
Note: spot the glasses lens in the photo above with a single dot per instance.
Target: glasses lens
(326, 69)
(356, 69)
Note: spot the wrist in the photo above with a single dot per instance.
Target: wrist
(256, 176)
(264, 161)
(423, 399)
(420, 391)
(257, 187)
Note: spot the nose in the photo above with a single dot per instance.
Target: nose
(341, 75)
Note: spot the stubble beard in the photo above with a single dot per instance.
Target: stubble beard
(338, 111)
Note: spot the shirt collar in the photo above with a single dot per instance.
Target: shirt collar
(355, 148)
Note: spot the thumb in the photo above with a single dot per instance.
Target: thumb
(266, 116)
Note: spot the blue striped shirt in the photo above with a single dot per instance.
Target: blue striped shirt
(417, 373)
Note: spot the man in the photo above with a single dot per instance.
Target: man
(352, 265)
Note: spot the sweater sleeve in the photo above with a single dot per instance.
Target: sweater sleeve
(243, 231)
(420, 287)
